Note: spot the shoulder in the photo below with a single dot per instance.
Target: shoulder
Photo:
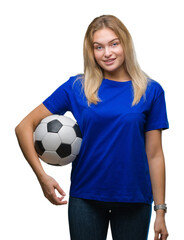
(79, 78)
(74, 85)
(154, 88)
(72, 80)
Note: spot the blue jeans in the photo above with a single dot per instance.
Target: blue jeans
(89, 220)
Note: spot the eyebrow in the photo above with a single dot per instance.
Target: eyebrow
(108, 42)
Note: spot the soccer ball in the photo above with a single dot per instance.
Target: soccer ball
(57, 140)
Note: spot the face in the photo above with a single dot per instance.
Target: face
(108, 51)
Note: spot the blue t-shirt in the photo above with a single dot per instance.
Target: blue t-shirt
(112, 165)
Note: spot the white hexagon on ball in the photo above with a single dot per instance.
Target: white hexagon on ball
(40, 131)
(76, 146)
(67, 160)
(51, 141)
(55, 158)
(67, 134)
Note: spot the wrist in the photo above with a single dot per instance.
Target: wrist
(40, 175)
(160, 208)
(160, 213)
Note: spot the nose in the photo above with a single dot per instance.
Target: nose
(107, 53)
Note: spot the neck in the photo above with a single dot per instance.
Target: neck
(120, 76)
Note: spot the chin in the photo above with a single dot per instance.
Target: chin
(110, 70)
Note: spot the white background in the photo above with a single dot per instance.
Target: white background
(41, 46)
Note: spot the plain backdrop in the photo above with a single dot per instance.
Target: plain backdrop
(41, 44)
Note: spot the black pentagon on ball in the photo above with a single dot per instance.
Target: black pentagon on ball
(39, 147)
(77, 130)
(64, 150)
(54, 126)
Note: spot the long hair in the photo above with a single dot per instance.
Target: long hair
(93, 74)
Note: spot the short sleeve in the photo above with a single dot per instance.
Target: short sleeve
(157, 115)
(58, 101)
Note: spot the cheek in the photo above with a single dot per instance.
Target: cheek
(120, 52)
(97, 56)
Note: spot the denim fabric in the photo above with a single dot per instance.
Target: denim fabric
(89, 220)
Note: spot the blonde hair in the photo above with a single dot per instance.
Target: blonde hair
(93, 74)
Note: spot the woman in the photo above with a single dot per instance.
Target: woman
(121, 112)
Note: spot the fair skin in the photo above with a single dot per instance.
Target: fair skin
(109, 54)
(24, 132)
(154, 151)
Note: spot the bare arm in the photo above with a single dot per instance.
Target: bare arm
(24, 132)
(153, 141)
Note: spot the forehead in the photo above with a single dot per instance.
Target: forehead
(104, 35)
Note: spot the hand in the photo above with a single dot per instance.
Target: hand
(160, 229)
(49, 185)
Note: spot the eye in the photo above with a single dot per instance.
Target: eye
(98, 47)
(114, 44)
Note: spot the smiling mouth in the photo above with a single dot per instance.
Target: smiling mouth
(109, 61)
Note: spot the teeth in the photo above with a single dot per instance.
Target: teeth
(109, 60)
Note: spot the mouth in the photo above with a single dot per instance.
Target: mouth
(109, 61)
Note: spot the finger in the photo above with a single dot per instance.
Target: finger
(60, 190)
(62, 201)
(52, 197)
(164, 236)
(59, 200)
(156, 236)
